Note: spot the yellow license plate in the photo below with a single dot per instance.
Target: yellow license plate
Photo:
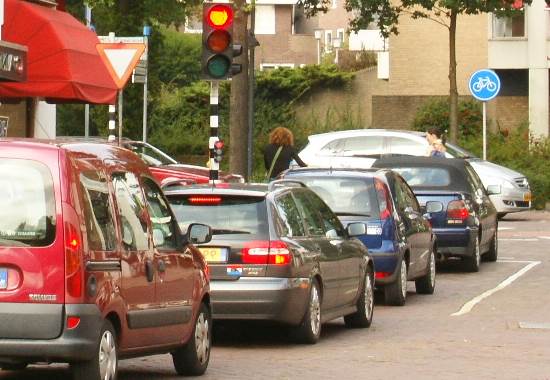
(527, 197)
(214, 255)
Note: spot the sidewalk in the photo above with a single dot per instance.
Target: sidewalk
(531, 215)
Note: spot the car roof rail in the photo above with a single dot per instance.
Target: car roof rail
(285, 183)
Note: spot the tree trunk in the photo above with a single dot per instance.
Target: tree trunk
(238, 112)
(453, 92)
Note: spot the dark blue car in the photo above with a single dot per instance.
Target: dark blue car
(461, 213)
(398, 237)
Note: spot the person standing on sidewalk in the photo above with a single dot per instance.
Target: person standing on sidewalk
(279, 152)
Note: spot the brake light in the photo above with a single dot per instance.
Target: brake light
(381, 274)
(457, 210)
(266, 252)
(205, 199)
(384, 200)
(73, 267)
(73, 322)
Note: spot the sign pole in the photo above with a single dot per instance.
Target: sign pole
(120, 100)
(485, 130)
(214, 122)
(145, 94)
(88, 16)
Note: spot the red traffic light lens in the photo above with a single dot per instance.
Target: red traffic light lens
(218, 144)
(218, 41)
(219, 16)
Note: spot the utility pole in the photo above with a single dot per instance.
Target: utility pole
(252, 43)
(88, 15)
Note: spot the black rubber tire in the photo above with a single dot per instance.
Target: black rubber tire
(393, 293)
(492, 254)
(188, 361)
(362, 318)
(501, 215)
(472, 262)
(426, 283)
(13, 366)
(91, 369)
(309, 330)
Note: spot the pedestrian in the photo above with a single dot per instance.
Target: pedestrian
(436, 139)
(279, 152)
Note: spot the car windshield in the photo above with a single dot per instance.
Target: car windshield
(230, 216)
(458, 152)
(424, 176)
(345, 196)
(27, 203)
(151, 155)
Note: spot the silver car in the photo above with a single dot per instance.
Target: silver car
(361, 147)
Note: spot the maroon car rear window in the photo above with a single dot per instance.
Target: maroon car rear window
(27, 203)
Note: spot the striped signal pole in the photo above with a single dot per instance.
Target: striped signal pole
(112, 122)
(214, 141)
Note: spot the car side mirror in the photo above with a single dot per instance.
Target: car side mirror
(493, 189)
(356, 229)
(433, 206)
(198, 233)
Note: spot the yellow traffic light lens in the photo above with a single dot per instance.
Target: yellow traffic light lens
(218, 41)
(220, 16)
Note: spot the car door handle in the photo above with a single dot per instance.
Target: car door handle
(161, 267)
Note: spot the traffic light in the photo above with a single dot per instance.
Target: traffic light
(218, 150)
(218, 49)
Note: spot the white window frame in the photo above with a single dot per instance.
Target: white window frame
(328, 35)
(342, 32)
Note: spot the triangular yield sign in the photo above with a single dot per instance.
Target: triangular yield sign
(120, 59)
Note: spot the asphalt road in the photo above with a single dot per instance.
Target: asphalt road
(494, 324)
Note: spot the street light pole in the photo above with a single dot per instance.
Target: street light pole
(252, 43)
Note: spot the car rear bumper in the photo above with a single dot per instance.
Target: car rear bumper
(266, 298)
(76, 344)
(385, 265)
(455, 241)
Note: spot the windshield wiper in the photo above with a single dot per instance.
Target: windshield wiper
(216, 231)
(351, 214)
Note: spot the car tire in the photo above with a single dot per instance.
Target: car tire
(492, 254)
(13, 366)
(192, 358)
(309, 330)
(473, 262)
(396, 294)
(501, 215)
(104, 364)
(426, 283)
(362, 318)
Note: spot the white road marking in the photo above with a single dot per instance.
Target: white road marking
(506, 228)
(534, 325)
(505, 258)
(468, 306)
(544, 237)
(518, 239)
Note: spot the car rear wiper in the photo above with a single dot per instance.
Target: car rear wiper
(216, 231)
(352, 214)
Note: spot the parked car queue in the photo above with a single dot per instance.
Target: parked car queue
(303, 250)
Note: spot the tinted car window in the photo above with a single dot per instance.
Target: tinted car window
(475, 181)
(289, 222)
(364, 145)
(100, 226)
(309, 210)
(27, 202)
(130, 208)
(160, 215)
(333, 227)
(406, 194)
(230, 216)
(425, 176)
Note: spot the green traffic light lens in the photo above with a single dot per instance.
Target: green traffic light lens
(218, 66)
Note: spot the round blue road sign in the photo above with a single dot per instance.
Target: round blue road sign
(484, 84)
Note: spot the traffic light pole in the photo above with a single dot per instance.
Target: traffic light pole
(214, 122)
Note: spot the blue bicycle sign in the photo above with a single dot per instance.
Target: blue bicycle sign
(484, 84)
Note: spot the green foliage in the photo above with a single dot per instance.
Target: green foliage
(180, 62)
(435, 113)
(521, 152)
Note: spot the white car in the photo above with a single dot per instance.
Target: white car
(359, 148)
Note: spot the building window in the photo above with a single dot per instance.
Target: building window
(328, 40)
(265, 19)
(334, 4)
(509, 26)
(340, 34)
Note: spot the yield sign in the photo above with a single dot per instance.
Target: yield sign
(120, 59)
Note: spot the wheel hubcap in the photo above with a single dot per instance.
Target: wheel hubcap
(478, 256)
(432, 269)
(107, 356)
(202, 338)
(369, 297)
(315, 311)
(404, 279)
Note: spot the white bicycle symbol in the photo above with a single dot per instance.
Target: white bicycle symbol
(484, 82)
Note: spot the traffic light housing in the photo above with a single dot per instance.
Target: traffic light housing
(218, 150)
(218, 49)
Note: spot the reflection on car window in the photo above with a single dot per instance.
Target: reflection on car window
(100, 227)
(310, 213)
(160, 215)
(151, 155)
(289, 222)
(425, 176)
(130, 208)
(333, 227)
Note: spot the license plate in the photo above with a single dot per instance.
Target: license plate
(527, 197)
(3, 278)
(214, 255)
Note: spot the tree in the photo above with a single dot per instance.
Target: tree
(445, 12)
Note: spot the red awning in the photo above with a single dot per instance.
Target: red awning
(63, 64)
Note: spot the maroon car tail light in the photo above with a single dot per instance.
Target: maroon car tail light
(274, 252)
(73, 265)
(457, 210)
(384, 199)
(381, 274)
(205, 200)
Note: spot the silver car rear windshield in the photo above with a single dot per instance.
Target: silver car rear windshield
(27, 204)
(229, 216)
(425, 176)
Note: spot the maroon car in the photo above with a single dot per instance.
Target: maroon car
(93, 266)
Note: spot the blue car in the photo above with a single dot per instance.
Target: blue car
(460, 211)
(398, 237)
